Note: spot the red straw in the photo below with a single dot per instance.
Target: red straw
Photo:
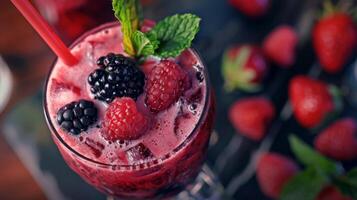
(45, 31)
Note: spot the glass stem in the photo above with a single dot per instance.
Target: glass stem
(206, 186)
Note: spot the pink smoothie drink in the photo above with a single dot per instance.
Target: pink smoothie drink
(163, 159)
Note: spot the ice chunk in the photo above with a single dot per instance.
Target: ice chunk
(138, 153)
(95, 147)
(58, 86)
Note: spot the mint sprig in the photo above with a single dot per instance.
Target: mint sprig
(175, 34)
(143, 45)
(320, 172)
(169, 38)
(127, 11)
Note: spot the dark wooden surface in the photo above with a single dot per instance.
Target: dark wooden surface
(19, 42)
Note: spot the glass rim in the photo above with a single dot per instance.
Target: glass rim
(131, 167)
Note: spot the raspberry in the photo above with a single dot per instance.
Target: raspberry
(122, 121)
(165, 85)
(118, 76)
(76, 117)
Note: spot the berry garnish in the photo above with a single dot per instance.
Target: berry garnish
(118, 76)
(77, 116)
(122, 120)
(165, 85)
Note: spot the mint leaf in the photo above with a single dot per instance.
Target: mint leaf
(348, 183)
(175, 34)
(127, 11)
(167, 39)
(311, 158)
(305, 185)
(143, 45)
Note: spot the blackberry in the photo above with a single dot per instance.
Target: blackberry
(117, 76)
(76, 117)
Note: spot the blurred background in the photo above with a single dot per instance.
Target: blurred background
(31, 166)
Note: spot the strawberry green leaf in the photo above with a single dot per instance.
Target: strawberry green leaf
(234, 75)
(305, 185)
(328, 8)
(127, 11)
(309, 157)
(175, 34)
(143, 45)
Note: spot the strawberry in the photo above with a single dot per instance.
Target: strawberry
(334, 38)
(252, 116)
(251, 8)
(312, 101)
(339, 140)
(273, 172)
(279, 46)
(165, 84)
(331, 193)
(244, 67)
(122, 121)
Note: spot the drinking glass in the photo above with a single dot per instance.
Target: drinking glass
(158, 178)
